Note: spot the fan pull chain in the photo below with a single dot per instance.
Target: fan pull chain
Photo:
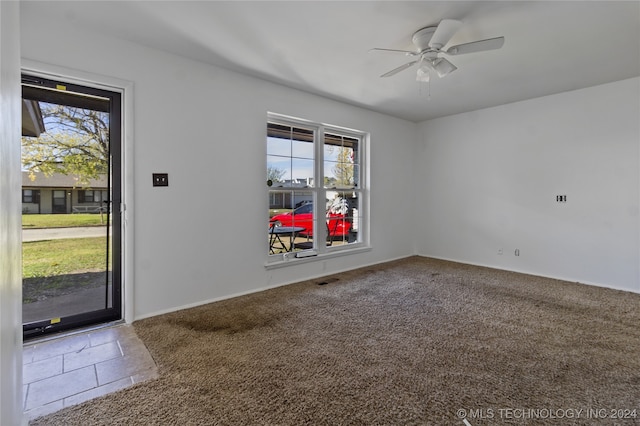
(428, 89)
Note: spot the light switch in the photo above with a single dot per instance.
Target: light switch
(160, 179)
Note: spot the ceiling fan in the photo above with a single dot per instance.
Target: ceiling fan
(429, 44)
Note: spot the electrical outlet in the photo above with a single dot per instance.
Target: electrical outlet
(500, 251)
(517, 252)
(160, 179)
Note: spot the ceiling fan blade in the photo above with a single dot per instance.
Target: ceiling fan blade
(406, 52)
(400, 68)
(446, 29)
(476, 46)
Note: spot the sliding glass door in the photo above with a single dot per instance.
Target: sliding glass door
(71, 140)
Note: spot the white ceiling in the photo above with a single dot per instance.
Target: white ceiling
(322, 47)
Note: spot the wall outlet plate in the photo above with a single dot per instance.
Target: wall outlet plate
(160, 179)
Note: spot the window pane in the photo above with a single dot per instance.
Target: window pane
(284, 131)
(302, 149)
(340, 175)
(291, 220)
(343, 217)
(290, 156)
(278, 170)
(340, 161)
(302, 172)
(279, 202)
(277, 146)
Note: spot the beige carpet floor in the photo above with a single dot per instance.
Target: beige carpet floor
(416, 341)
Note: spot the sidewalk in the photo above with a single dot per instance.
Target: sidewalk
(29, 235)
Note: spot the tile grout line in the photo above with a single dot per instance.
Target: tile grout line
(64, 363)
(26, 397)
(95, 374)
(120, 347)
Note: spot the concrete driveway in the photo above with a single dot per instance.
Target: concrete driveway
(29, 235)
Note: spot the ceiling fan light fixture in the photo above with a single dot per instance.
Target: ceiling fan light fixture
(443, 67)
(422, 75)
(424, 70)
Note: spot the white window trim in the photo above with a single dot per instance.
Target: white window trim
(319, 191)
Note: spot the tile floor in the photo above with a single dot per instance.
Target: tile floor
(69, 370)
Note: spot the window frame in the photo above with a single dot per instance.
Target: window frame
(82, 196)
(31, 199)
(84, 199)
(319, 192)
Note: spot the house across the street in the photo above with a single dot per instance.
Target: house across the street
(62, 194)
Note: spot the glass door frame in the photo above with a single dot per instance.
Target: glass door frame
(114, 312)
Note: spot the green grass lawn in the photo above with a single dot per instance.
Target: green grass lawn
(53, 268)
(61, 257)
(34, 221)
(57, 267)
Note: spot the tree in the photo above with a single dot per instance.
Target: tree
(329, 182)
(343, 169)
(76, 142)
(274, 174)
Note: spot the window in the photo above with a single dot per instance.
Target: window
(85, 196)
(90, 196)
(30, 196)
(315, 188)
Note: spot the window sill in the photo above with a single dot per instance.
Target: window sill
(291, 261)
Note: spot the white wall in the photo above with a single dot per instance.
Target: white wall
(490, 180)
(483, 180)
(10, 218)
(204, 236)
